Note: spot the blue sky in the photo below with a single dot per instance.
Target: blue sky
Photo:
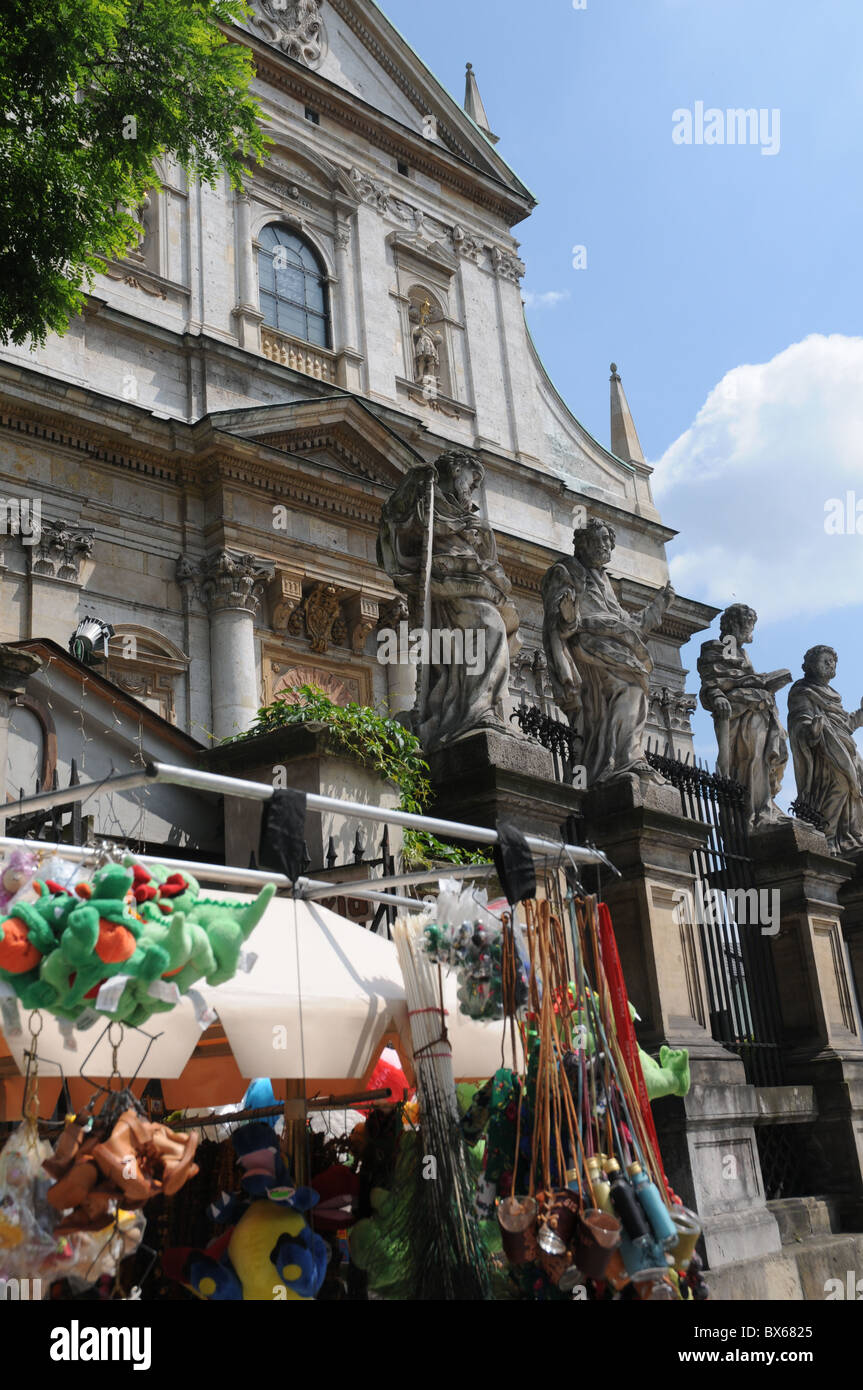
(726, 283)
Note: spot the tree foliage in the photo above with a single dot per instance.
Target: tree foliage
(91, 93)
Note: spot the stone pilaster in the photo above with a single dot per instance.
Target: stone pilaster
(823, 1044)
(247, 315)
(707, 1137)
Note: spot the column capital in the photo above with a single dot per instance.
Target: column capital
(59, 549)
(225, 580)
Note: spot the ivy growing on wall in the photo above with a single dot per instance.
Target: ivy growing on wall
(379, 742)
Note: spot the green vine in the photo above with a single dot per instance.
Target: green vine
(378, 741)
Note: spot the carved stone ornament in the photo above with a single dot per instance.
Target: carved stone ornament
(319, 617)
(225, 580)
(368, 190)
(60, 548)
(296, 27)
(286, 594)
(507, 266)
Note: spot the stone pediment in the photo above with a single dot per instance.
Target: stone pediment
(352, 44)
(339, 429)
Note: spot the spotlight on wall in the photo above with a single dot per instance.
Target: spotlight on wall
(89, 642)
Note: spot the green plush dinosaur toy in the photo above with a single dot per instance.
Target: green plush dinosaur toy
(28, 934)
(201, 937)
(100, 939)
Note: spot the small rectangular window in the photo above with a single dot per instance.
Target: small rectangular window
(403, 168)
(312, 115)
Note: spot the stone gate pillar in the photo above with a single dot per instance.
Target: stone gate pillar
(823, 1045)
(707, 1137)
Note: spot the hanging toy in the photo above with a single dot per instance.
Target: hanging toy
(16, 876)
(270, 1253)
(466, 937)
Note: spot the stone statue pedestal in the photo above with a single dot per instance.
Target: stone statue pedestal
(707, 1137)
(823, 1043)
(489, 775)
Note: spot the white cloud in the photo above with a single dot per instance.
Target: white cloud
(747, 484)
(548, 299)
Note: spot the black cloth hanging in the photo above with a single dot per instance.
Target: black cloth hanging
(283, 830)
(514, 863)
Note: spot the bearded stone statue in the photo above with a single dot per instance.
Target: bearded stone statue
(598, 656)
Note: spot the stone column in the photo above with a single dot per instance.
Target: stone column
(231, 586)
(401, 675)
(823, 1045)
(707, 1137)
(16, 668)
(247, 315)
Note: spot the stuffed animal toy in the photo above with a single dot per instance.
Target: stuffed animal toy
(16, 874)
(270, 1253)
(150, 931)
(201, 938)
(28, 935)
(100, 939)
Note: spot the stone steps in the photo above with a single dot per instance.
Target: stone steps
(797, 1273)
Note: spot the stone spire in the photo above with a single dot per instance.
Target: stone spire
(473, 104)
(624, 439)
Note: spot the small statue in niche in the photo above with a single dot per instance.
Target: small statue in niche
(426, 345)
(827, 763)
(751, 740)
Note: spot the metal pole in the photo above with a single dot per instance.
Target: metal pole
(224, 873)
(427, 558)
(262, 791)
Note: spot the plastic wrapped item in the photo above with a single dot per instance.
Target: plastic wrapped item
(468, 938)
(29, 1248)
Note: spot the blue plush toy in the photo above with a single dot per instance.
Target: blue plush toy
(271, 1253)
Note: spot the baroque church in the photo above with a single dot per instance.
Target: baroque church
(210, 445)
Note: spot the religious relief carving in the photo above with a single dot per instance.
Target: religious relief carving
(296, 27)
(439, 552)
(597, 652)
(751, 740)
(60, 548)
(319, 617)
(225, 579)
(393, 612)
(506, 265)
(827, 763)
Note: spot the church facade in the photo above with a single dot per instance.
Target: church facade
(208, 449)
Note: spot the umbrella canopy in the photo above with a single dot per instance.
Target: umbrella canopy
(323, 997)
(175, 1036)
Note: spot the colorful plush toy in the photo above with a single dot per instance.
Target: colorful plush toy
(270, 1253)
(148, 930)
(201, 938)
(100, 939)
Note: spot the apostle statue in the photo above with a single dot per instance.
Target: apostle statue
(827, 763)
(440, 553)
(752, 743)
(426, 344)
(598, 656)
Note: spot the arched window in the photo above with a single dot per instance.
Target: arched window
(293, 286)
